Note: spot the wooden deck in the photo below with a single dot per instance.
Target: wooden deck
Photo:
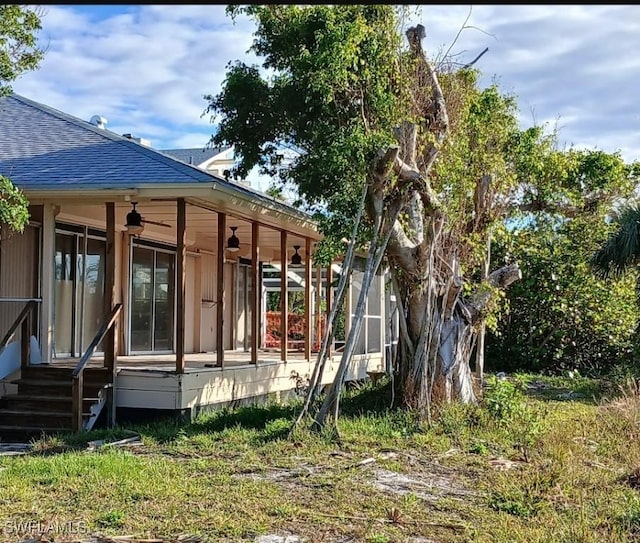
(194, 361)
(150, 382)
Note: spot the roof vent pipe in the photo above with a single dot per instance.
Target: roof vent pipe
(99, 121)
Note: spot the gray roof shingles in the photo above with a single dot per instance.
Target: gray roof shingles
(41, 147)
(196, 155)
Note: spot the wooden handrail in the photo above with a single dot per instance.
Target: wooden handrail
(21, 319)
(78, 372)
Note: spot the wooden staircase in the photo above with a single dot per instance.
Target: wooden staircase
(53, 398)
(44, 400)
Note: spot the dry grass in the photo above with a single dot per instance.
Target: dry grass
(559, 471)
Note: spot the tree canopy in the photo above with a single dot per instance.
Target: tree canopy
(348, 106)
(561, 316)
(19, 52)
(19, 49)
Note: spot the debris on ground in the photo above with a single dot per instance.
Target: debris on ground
(132, 441)
(13, 449)
(504, 464)
(278, 539)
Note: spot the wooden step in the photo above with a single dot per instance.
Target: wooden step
(51, 371)
(50, 387)
(45, 403)
(35, 419)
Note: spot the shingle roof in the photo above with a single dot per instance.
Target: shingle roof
(41, 147)
(196, 155)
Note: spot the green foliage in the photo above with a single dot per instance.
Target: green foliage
(19, 51)
(620, 252)
(111, 519)
(14, 207)
(560, 316)
(504, 399)
(335, 89)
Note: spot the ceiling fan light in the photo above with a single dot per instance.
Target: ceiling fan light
(233, 243)
(296, 259)
(134, 221)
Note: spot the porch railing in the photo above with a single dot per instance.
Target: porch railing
(24, 319)
(78, 372)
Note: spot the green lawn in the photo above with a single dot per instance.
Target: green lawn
(554, 465)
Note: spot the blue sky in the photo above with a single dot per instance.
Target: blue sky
(146, 67)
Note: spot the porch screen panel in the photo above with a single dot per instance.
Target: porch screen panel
(65, 277)
(241, 306)
(94, 308)
(374, 315)
(369, 338)
(141, 299)
(163, 302)
(356, 286)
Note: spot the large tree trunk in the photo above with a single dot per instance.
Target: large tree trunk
(438, 326)
(439, 332)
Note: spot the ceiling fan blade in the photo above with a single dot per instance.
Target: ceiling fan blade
(157, 223)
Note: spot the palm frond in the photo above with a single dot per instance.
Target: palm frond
(621, 250)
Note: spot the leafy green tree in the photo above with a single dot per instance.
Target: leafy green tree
(19, 52)
(368, 117)
(14, 213)
(561, 316)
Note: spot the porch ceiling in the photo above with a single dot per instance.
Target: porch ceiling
(201, 227)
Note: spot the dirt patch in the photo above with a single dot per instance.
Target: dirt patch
(429, 486)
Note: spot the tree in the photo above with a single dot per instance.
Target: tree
(619, 255)
(372, 119)
(561, 316)
(620, 252)
(19, 52)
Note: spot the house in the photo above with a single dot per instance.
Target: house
(142, 284)
(215, 160)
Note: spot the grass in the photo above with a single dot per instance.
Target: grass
(542, 460)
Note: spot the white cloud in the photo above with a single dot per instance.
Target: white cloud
(146, 67)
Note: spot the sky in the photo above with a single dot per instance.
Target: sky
(146, 68)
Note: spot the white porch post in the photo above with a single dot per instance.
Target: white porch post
(47, 267)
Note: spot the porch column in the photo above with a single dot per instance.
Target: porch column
(256, 291)
(222, 228)
(284, 306)
(181, 256)
(110, 340)
(110, 285)
(307, 299)
(48, 280)
(328, 296)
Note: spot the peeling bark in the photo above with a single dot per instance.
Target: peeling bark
(438, 325)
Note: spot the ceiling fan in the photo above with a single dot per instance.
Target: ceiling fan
(135, 220)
